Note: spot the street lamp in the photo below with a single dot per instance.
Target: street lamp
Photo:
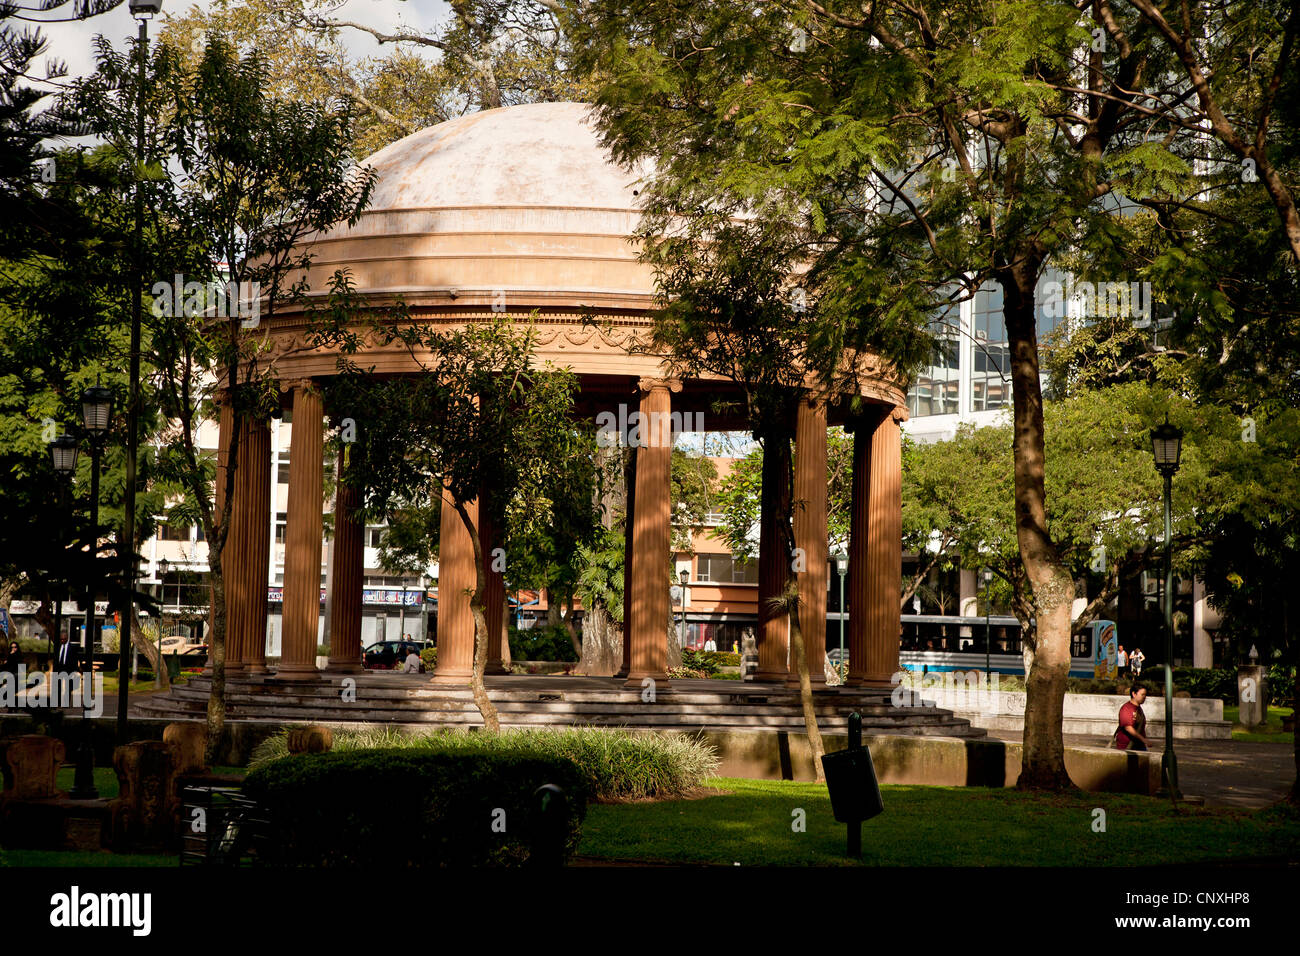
(142, 10)
(683, 577)
(163, 567)
(96, 413)
(987, 575)
(63, 453)
(841, 568)
(1167, 449)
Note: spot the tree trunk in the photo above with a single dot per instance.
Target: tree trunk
(1047, 651)
(152, 653)
(674, 635)
(491, 722)
(778, 447)
(602, 643)
(574, 639)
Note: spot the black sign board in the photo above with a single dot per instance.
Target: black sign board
(851, 780)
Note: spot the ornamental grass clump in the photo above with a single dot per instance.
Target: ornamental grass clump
(617, 764)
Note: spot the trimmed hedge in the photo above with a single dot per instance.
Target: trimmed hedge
(616, 764)
(439, 808)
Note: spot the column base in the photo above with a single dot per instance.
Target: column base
(662, 683)
(870, 683)
(303, 672)
(455, 678)
(817, 681)
(256, 670)
(771, 677)
(343, 665)
(236, 670)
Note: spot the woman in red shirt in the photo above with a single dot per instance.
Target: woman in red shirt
(1132, 722)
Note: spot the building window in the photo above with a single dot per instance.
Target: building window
(724, 569)
(989, 380)
(937, 389)
(167, 532)
(281, 522)
(374, 537)
(282, 472)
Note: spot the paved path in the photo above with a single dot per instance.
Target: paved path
(1227, 773)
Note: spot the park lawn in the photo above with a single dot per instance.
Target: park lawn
(1270, 733)
(106, 778)
(933, 826)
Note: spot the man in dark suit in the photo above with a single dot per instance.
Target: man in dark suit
(66, 659)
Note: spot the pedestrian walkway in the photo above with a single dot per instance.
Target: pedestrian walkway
(1227, 773)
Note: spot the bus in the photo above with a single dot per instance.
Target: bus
(945, 642)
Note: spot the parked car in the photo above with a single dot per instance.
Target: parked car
(182, 646)
(389, 655)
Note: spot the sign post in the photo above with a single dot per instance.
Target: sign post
(854, 790)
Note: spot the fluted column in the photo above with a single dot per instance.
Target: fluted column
(494, 598)
(876, 550)
(647, 613)
(629, 482)
(456, 581)
(256, 464)
(810, 534)
(773, 630)
(302, 550)
(859, 511)
(235, 563)
(346, 577)
(226, 424)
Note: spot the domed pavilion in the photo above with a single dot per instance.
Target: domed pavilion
(520, 210)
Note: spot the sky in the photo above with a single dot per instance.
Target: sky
(73, 42)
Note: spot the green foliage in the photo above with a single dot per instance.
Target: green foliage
(705, 662)
(615, 764)
(320, 807)
(541, 644)
(430, 658)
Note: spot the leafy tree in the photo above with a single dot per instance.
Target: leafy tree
(918, 151)
(236, 179)
(480, 416)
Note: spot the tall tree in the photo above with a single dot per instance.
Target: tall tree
(923, 149)
(479, 416)
(236, 179)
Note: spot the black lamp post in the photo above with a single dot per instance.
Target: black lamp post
(1167, 447)
(163, 567)
(987, 575)
(683, 578)
(96, 412)
(142, 10)
(63, 453)
(842, 568)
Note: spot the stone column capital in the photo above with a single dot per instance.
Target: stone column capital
(647, 383)
(900, 414)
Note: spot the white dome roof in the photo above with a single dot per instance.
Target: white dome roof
(542, 154)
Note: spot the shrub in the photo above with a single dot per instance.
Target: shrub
(541, 644)
(703, 661)
(615, 764)
(723, 658)
(454, 809)
(685, 673)
(1281, 684)
(430, 657)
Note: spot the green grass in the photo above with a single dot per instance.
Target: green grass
(1270, 733)
(106, 779)
(617, 764)
(921, 826)
(933, 826)
(83, 858)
